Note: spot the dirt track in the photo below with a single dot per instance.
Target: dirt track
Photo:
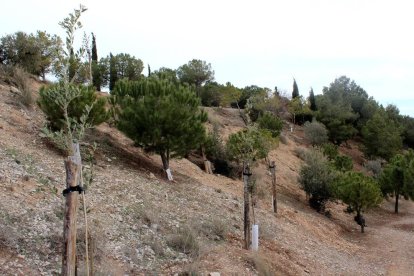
(389, 241)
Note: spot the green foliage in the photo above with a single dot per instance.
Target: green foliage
(397, 177)
(250, 92)
(247, 146)
(360, 192)
(271, 123)
(210, 94)
(374, 167)
(312, 100)
(195, 72)
(70, 109)
(122, 66)
(160, 116)
(408, 131)
(316, 178)
(295, 91)
(166, 73)
(35, 53)
(338, 118)
(339, 108)
(343, 163)
(229, 94)
(260, 103)
(216, 153)
(300, 110)
(53, 98)
(330, 151)
(381, 136)
(113, 75)
(315, 132)
(96, 69)
(70, 67)
(214, 146)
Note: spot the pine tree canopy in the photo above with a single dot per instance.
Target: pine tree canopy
(360, 192)
(160, 116)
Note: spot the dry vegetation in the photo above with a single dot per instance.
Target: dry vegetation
(141, 224)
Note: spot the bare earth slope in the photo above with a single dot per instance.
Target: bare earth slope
(135, 215)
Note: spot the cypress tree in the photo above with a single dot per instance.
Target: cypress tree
(113, 75)
(295, 92)
(94, 51)
(149, 70)
(312, 100)
(96, 72)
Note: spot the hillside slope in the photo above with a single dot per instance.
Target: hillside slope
(136, 217)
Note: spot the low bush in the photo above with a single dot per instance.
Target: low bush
(315, 132)
(184, 241)
(271, 123)
(78, 98)
(316, 178)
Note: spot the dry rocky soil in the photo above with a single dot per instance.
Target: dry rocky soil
(141, 224)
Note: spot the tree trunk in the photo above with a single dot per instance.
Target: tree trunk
(397, 196)
(207, 164)
(246, 175)
(273, 171)
(72, 166)
(166, 165)
(245, 120)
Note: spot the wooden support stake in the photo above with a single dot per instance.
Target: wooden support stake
(72, 166)
(246, 176)
(76, 153)
(272, 168)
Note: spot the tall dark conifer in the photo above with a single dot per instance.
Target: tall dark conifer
(96, 72)
(94, 51)
(113, 76)
(295, 92)
(312, 100)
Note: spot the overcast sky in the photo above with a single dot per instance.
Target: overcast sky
(261, 42)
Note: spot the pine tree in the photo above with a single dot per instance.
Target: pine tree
(312, 100)
(381, 136)
(397, 178)
(160, 116)
(360, 192)
(113, 76)
(295, 92)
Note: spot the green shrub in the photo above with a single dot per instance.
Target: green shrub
(271, 123)
(343, 163)
(330, 151)
(51, 96)
(316, 179)
(374, 167)
(315, 132)
(360, 192)
(247, 145)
